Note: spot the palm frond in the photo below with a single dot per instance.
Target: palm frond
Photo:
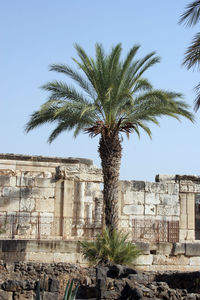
(113, 96)
(83, 83)
(110, 247)
(192, 14)
(192, 55)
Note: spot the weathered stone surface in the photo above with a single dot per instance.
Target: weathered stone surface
(131, 197)
(156, 187)
(12, 192)
(44, 205)
(24, 296)
(43, 193)
(13, 285)
(150, 210)
(179, 248)
(27, 204)
(175, 260)
(6, 295)
(144, 260)
(195, 261)
(9, 204)
(45, 182)
(170, 200)
(7, 181)
(192, 249)
(137, 185)
(173, 188)
(191, 211)
(165, 178)
(143, 247)
(152, 198)
(133, 209)
(163, 248)
(25, 181)
(167, 210)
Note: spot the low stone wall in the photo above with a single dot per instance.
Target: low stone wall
(169, 256)
(19, 281)
(154, 256)
(41, 251)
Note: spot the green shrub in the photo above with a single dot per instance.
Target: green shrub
(110, 247)
(70, 294)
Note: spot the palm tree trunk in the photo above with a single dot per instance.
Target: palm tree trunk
(110, 153)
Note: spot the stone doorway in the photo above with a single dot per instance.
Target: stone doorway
(197, 217)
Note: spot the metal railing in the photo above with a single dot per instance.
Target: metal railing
(155, 231)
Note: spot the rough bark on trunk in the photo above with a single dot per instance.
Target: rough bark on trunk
(110, 153)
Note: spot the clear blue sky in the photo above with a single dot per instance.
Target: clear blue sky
(35, 34)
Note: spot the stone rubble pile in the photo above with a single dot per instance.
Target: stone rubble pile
(19, 281)
(121, 283)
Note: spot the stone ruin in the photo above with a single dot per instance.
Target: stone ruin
(60, 199)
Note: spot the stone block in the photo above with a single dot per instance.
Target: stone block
(167, 210)
(124, 223)
(26, 192)
(173, 188)
(156, 187)
(152, 198)
(183, 188)
(197, 188)
(6, 295)
(7, 181)
(43, 193)
(53, 246)
(183, 221)
(192, 249)
(133, 209)
(191, 188)
(67, 257)
(179, 248)
(44, 182)
(191, 210)
(195, 261)
(50, 296)
(165, 178)
(43, 257)
(190, 235)
(182, 235)
(44, 205)
(170, 260)
(144, 260)
(150, 210)
(27, 204)
(183, 203)
(163, 248)
(9, 204)
(88, 199)
(25, 181)
(143, 247)
(137, 186)
(131, 197)
(47, 216)
(170, 200)
(12, 192)
(26, 295)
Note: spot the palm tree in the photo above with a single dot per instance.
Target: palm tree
(114, 99)
(192, 55)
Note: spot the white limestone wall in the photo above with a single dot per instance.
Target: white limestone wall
(36, 195)
(145, 204)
